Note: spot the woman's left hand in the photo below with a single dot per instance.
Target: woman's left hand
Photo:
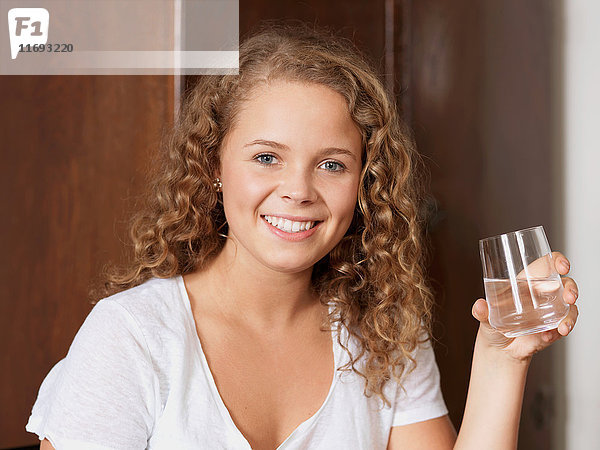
(522, 348)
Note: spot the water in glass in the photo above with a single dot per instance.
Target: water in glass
(539, 307)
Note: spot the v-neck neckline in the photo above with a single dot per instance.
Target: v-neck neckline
(303, 426)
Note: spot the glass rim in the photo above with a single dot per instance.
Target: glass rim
(511, 233)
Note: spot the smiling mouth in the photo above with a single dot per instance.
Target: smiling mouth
(290, 226)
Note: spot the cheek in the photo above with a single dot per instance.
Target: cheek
(242, 189)
(342, 202)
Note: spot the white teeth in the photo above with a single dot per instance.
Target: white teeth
(289, 226)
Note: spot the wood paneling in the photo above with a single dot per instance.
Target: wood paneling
(362, 21)
(445, 89)
(480, 82)
(74, 155)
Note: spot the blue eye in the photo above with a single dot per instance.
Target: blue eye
(333, 166)
(266, 159)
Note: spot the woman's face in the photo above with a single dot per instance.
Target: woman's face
(290, 169)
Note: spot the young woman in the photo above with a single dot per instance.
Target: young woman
(278, 297)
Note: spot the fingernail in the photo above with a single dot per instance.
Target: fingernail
(570, 327)
(574, 292)
(565, 265)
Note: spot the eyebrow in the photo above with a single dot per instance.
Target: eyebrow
(280, 146)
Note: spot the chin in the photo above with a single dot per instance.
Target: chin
(288, 266)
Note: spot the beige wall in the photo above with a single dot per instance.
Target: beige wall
(581, 172)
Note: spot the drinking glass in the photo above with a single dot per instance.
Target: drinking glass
(522, 287)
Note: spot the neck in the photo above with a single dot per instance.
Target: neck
(240, 289)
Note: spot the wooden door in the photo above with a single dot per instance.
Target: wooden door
(483, 100)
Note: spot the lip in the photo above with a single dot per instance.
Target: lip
(294, 218)
(293, 237)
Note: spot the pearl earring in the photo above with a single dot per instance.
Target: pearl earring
(217, 184)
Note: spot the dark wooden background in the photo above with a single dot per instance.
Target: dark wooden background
(473, 78)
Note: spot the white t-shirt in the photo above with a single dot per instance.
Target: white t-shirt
(136, 377)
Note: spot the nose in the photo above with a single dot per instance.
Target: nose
(297, 186)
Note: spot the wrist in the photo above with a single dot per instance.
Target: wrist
(500, 354)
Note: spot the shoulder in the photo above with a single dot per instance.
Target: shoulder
(136, 320)
(149, 297)
(156, 306)
(415, 393)
(107, 380)
(419, 396)
(113, 374)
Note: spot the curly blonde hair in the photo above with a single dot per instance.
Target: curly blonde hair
(375, 278)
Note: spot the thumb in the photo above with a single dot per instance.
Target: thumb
(480, 310)
(495, 338)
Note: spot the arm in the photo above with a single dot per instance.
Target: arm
(433, 434)
(46, 445)
(494, 400)
(492, 412)
(498, 374)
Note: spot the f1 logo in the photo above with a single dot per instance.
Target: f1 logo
(27, 26)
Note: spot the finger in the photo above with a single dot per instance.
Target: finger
(551, 336)
(568, 323)
(562, 264)
(539, 267)
(571, 291)
(480, 310)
